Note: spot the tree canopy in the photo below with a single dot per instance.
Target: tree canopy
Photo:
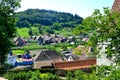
(7, 25)
(103, 28)
(46, 18)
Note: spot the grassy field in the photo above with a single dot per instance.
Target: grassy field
(18, 52)
(34, 46)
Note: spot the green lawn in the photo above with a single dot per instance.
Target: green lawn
(34, 46)
(18, 52)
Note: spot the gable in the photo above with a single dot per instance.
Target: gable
(48, 55)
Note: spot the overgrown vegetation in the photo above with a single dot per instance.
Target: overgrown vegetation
(49, 75)
(30, 75)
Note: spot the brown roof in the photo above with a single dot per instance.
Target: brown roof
(82, 49)
(48, 55)
(70, 65)
(116, 6)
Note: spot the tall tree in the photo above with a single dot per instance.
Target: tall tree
(106, 28)
(30, 32)
(7, 25)
(103, 28)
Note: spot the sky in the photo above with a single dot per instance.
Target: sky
(83, 8)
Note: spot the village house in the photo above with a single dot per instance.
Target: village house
(32, 38)
(45, 58)
(19, 41)
(19, 60)
(69, 56)
(24, 60)
(50, 39)
(40, 40)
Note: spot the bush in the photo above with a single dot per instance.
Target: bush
(30, 75)
(49, 76)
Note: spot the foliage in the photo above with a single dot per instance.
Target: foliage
(27, 32)
(108, 28)
(77, 51)
(78, 30)
(108, 73)
(66, 32)
(30, 32)
(7, 25)
(64, 47)
(102, 73)
(23, 32)
(80, 75)
(46, 18)
(35, 31)
(104, 28)
(81, 50)
(22, 75)
(48, 76)
(30, 75)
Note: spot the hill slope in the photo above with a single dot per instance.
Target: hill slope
(46, 18)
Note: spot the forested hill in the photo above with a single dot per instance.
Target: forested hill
(46, 18)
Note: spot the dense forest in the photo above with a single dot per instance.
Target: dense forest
(36, 17)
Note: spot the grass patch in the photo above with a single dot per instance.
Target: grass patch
(18, 52)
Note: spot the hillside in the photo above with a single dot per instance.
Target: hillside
(46, 18)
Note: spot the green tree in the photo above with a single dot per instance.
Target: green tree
(56, 26)
(35, 31)
(105, 28)
(30, 32)
(7, 28)
(77, 29)
(23, 32)
(40, 30)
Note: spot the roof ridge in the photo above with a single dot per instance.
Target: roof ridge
(46, 55)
